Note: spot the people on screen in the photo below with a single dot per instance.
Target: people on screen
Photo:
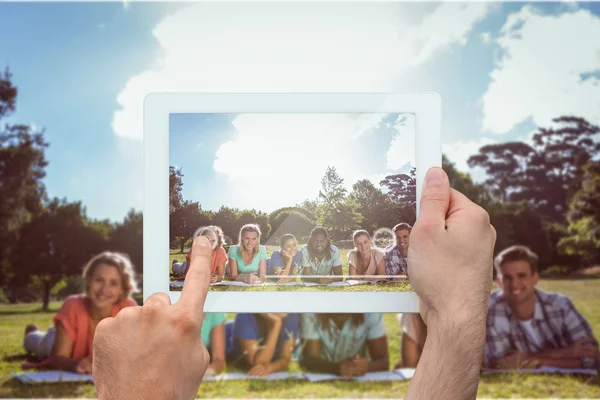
(213, 337)
(320, 258)
(364, 259)
(396, 254)
(286, 261)
(247, 259)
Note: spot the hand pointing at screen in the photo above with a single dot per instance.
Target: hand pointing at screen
(155, 351)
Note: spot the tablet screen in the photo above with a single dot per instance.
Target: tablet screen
(293, 202)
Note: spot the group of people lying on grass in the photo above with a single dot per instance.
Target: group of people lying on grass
(318, 261)
(526, 327)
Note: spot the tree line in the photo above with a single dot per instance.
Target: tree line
(44, 240)
(341, 212)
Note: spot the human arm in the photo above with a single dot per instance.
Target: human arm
(378, 350)
(450, 263)
(380, 266)
(60, 357)
(262, 354)
(282, 362)
(312, 360)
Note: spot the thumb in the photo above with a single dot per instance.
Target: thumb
(435, 200)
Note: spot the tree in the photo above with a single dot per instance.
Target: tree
(583, 235)
(184, 221)
(127, 237)
(290, 221)
(402, 195)
(546, 174)
(22, 168)
(227, 219)
(175, 188)
(336, 211)
(372, 204)
(275, 220)
(54, 244)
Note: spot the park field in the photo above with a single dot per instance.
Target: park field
(376, 287)
(584, 294)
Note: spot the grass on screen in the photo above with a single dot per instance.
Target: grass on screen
(584, 293)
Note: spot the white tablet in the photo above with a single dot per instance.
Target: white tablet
(308, 198)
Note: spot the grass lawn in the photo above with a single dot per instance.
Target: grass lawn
(377, 287)
(584, 294)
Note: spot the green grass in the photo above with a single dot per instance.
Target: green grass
(377, 287)
(584, 294)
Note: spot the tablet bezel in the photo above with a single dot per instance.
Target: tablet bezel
(158, 106)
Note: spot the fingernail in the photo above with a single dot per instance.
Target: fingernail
(434, 177)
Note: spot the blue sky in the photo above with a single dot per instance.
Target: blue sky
(82, 70)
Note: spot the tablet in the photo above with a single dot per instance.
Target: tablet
(308, 199)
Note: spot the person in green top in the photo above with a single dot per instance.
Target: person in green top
(248, 259)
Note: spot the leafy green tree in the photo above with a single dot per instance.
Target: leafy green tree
(583, 236)
(184, 221)
(372, 204)
(546, 174)
(175, 188)
(22, 168)
(55, 244)
(127, 237)
(336, 211)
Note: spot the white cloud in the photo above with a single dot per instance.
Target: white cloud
(402, 149)
(459, 152)
(262, 47)
(539, 75)
(292, 152)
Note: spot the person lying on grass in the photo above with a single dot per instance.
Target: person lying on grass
(219, 256)
(530, 328)
(109, 281)
(263, 343)
(286, 261)
(248, 258)
(321, 258)
(364, 259)
(344, 344)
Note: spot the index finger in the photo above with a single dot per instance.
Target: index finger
(197, 281)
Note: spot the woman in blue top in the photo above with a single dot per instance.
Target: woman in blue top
(248, 259)
(263, 343)
(286, 262)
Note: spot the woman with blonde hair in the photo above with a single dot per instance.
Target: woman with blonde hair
(248, 258)
(364, 259)
(219, 256)
(109, 282)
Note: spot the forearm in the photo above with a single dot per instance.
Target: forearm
(264, 355)
(450, 363)
(217, 365)
(380, 364)
(281, 364)
(63, 363)
(318, 364)
(557, 362)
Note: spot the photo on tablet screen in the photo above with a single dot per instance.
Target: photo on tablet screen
(293, 202)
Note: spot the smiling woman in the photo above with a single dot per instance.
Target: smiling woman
(109, 281)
